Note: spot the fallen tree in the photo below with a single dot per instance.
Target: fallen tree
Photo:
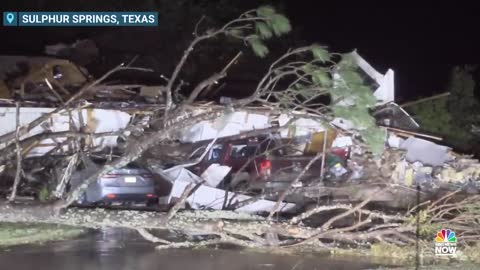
(297, 84)
(308, 82)
(363, 226)
(237, 228)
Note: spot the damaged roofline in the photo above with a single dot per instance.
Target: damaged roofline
(385, 93)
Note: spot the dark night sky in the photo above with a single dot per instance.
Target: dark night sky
(421, 43)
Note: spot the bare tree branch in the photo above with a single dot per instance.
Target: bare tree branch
(202, 85)
(183, 198)
(150, 237)
(18, 150)
(7, 153)
(67, 174)
(329, 222)
(333, 232)
(323, 208)
(285, 192)
(7, 138)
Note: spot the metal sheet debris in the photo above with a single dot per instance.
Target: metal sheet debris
(232, 124)
(206, 197)
(425, 152)
(394, 141)
(214, 174)
(243, 121)
(87, 120)
(342, 141)
(181, 174)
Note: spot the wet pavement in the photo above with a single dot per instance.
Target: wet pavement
(116, 249)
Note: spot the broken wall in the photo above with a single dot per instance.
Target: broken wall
(86, 120)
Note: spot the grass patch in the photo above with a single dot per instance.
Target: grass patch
(473, 253)
(20, 233)
(392, 251)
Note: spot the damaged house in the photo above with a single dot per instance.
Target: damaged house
(305, 138)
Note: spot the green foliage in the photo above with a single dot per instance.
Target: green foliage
(463, 104)
(347, 62)
(280, 24)
(320, 53)
(375, 138)
(350, 76)
(236, 32)
(434, 116)
(473, 253)
(266, 11)
(428, 231)
(321, 77)
(352, 100)
(339, 93)
(359, 116)
(452, 117)
(473, 208)
(274, 22)
(306, 93)
(270, 23)
(257, 46)
(422, 218)
(263, 30)
(20, 233)
(364, 95)
(299, 86)
(383, 250)
(44, 194)
(309, 68)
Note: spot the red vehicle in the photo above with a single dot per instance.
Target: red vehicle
(260, 162)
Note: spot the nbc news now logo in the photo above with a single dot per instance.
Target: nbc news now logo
(445, 243)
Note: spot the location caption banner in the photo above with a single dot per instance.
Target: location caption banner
(14, 18)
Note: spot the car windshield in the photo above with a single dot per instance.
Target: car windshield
(243, 151)
(216, 152)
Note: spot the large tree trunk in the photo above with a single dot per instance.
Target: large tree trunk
(236, 228)
(187, 221)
